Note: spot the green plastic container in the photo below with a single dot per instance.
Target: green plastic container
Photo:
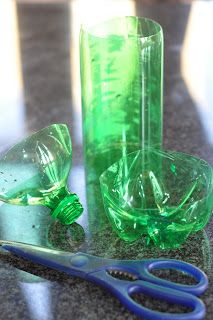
(121, 80)
(162, 194)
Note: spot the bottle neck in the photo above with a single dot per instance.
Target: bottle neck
(66, 207)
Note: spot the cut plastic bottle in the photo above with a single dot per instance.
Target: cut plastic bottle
(122, 88)
(35, 172)
(163, 194)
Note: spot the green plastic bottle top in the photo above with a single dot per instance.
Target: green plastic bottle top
(35, 172)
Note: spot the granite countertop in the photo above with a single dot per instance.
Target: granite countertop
(39, 86)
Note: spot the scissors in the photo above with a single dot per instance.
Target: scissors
(105, 272)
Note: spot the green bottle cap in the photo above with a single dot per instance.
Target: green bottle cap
(68, 210)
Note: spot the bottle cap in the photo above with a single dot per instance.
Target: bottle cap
(68, 210)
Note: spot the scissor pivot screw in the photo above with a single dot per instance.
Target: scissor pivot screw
(78, 261)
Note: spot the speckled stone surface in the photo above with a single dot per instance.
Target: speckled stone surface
(39, 86)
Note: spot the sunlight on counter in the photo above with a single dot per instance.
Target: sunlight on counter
(197, 62)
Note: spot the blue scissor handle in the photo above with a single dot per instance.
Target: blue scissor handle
(152, 264)
(142, 270)
(155, 287)
(124, 290)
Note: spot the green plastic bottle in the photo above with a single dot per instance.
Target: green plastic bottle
(35, 172)
(121, 80)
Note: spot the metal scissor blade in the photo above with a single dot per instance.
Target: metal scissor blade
(56, 259)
